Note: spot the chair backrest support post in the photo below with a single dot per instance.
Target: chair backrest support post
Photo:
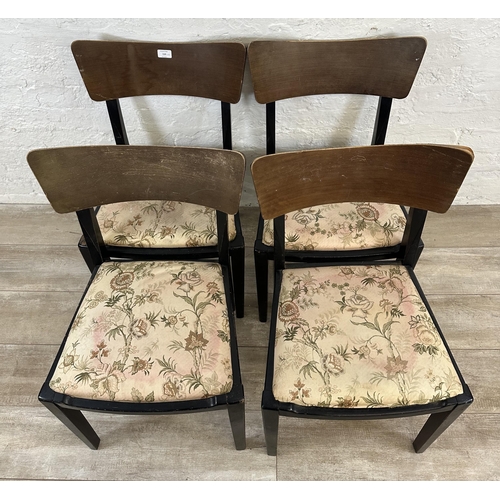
(227, 138)
(411, 237)
(117, 123)
(279, 245)
(271, 128)
(222, 238)
(381, 120)
(93, 236)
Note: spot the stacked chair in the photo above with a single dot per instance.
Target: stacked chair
(152, 228)
(382, 67)
(352, 335)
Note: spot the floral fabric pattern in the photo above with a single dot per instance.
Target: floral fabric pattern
(149, 332)
(358, 336)
(160, 224)
(341, 226)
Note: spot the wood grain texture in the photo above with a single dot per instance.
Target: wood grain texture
(379, 66)
(32, 224)
(42, 268)
(23, 370)
(75, 178)
(420, 176)
(193, 447)
(459, 271)
(473, 226)
(36, 318)
(40, 286)
(479, 368)
(115, 69)
(468, 321)
(381, 450)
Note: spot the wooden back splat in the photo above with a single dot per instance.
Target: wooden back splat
(111, 70)
(78, 178)
(427, 177)
(383, 67)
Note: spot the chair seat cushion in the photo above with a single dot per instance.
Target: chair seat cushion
(149, 332)
(341, 226)
(160, 224)
(358, 336)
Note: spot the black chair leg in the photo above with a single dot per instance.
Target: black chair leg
(84, 250)
(413, 258)
(270, 419)
(436, 424)
(238, 271)
(76, 423)
(261, 275)
(420, 249)
(237, 418)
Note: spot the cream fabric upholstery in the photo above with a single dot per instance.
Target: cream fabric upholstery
(358, 336)
(160, 224)
(149, 332)
(341, 226)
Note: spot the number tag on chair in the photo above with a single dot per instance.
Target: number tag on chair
(164, 54)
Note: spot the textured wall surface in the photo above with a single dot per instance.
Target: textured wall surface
(455, 98)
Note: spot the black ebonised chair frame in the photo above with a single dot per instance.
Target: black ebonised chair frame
(442, 413)
(69, 409)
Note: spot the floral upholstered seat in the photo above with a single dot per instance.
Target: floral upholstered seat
(343, 226)
(160, 224)
(149, 332)
(358, 336)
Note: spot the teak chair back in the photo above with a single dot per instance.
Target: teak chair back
(78, 178)
(112, 70)
(400, 174)
(423, 177)
(383, 67)
(126, 173)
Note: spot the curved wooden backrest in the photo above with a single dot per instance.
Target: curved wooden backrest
(111, 70)
(383, 67)
(76, 178)
(420, 176)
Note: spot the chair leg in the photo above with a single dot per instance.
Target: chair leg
(436, 424)
(270, 419)
(84, 250)
(237, 418)
(238, 271)
(413, 259)
(75, 422)
(261, 276)
(420, 249)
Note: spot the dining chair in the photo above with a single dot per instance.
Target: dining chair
(149, 336)
(383, 67)
(359, 340)
(113, 70)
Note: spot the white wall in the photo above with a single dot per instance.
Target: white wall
(455, 98)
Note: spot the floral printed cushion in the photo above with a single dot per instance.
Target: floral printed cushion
(149, 332)
(160, 224)
(341, 226)
(358, 336)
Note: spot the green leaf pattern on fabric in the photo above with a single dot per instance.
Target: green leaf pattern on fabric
(341, 226)
(149, 332)
(160, 224)
(358, 336)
